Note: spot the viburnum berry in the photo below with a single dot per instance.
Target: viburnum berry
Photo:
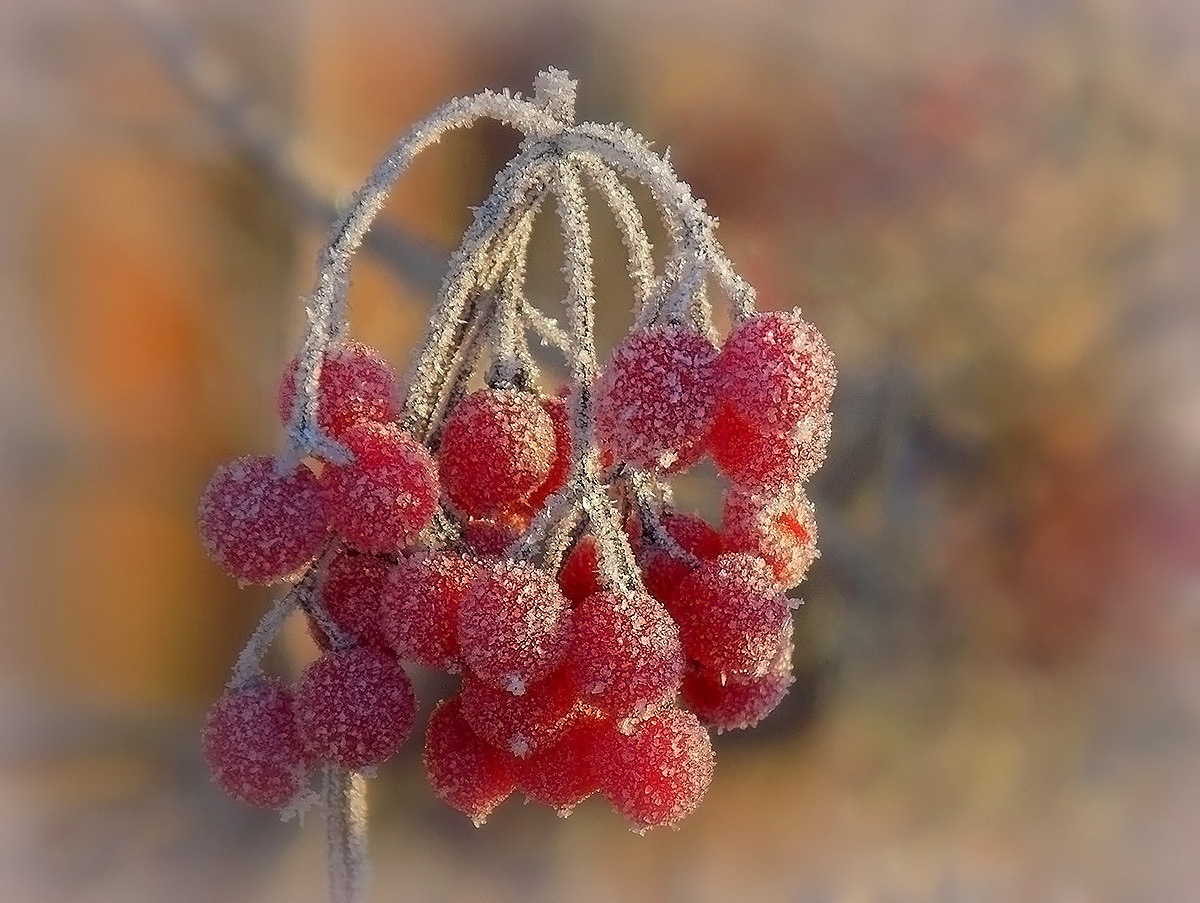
(765, 462)
(518, 724)
(490, 537)
(732, 706)
(353, 591)
(626, 658)
(355, 707)
(355, 384)
(732, 618)
(780, 528)
(579, 576)
(498, 446)
(661, 569)
(775, 369)
(465, 771)
(657, 774)
(656, 399)
(259, 525)
(560, 466)
(383, 499)
(560, 774)
(419, 616)
(252, 746)
(514, 624)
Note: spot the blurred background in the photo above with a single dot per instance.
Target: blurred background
(992, 211)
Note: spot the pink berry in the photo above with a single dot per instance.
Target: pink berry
(655, 401)
(732, 617)
(353, 592)
(658, 774)
(560, 467)
(383, 499)
(518, 724)
(355, 384)
(579, 576)
(259, 526)
(625, 658)
(661, 570)
(252, 747)
(781, 529)
(560, 774)
(514, 625)
(767, 463)
(733, 706)
(497, 448)
(355, 707)
(774, 370)
(420, 608)
(465, 771)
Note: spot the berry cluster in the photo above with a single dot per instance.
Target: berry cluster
(524, 541)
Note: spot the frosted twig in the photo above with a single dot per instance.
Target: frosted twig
(346, 834)
(624, 208)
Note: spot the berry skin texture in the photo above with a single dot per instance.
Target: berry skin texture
(768, 463)
(383, 499)
(497, 448)
(560, 775)
(560, 467)
(514, 625)
(656, 399)
(518, 724)
(774, 370)
(781, 529)
(661, 570)
(464, 771)
(658, 774)
(355, 384)
(419, 618)
(259, 526)
(579, 576)
(732, 618)
(353, 592)
(355, 707)
(626, 658)
(252, 746)
(735, 706)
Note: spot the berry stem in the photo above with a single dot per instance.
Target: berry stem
(346, 834)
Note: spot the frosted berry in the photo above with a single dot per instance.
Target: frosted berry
(560, 775)
(355, 384)
(579, 576)
(252, 747)
(732, 617)
(518, 724)
(774, 370)
(419, 618)
(626, 658)
(514, 625)
(259, 526)
(763, 462)
(658, 774)
(497, 447)
(355, 707)
(490, 537)
(780, 528)
(353, 592)
(733, 706)
(465, 771)
(661, 569)
(383, 499)
(656, 400)
(560, 467)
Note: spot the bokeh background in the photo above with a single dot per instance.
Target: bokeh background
(991, 209)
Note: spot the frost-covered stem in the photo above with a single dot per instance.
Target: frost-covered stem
(628, 217)
(649, 507)
(247, 667)
(513, 364)
(346, 834)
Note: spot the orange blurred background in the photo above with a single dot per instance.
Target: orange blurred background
(992, 211)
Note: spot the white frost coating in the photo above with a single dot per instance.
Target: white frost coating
(346, 834)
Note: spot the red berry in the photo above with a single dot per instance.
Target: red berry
(514, 625)
(259, 526)
(658, 774)
(355, 707)
(464, 771)
(355, 384)
(252, 747)
(491, 537)
(420, 608)
(560, 774)
(579, 576)
(625, 658)
(732, 617)
(732, 706)
(655, 401)
(764, 463)
(661, 570)
(774, 370)
(781, 529)
(518, 724)
(383, 499)
(353, 592)
(497, 448)
(560, 467)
